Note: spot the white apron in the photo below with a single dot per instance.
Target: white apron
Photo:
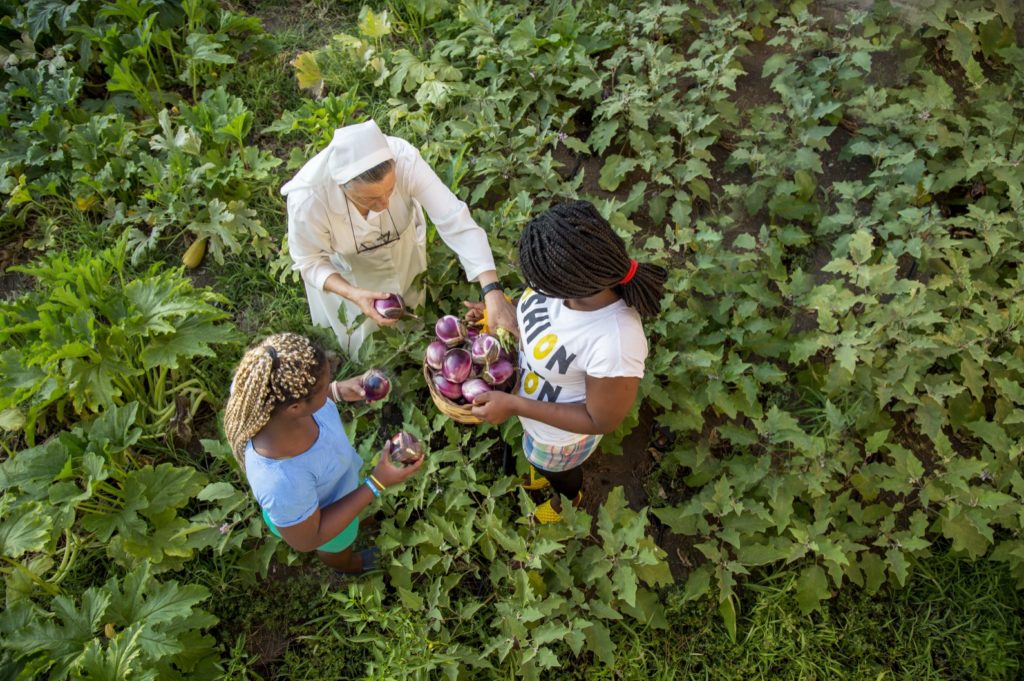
(324, 228)
(390, 268)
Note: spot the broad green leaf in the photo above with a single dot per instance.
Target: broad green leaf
(994, 435)
(216, 490)
(121, 660)
(64, 638)
(649, 609)
(727, 610)
(1011, 389)
(24, 528)
(846, 356)
(625, 581)
(974, 376)
(116, 428)
(811, 588)
(42, 13)
(12, 418)
(163, 487)
(861, 246)
(760, 554)
(614, 171)
(206, 48)
(874, 571)
(962, 44)
(307, 73)
(898, 565)
(657, 574)
(697, 583)
(601, 137)
(745, 242)
(599, 642)
(966, 535)
(373, 25)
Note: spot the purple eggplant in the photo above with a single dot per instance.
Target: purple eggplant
(457, 365)
(375, 384)
(435, 355)
(485, 349)
(498, 372)
(392, 307)
(474, 387)
(404, 449)
(450, 330)
(452, 391)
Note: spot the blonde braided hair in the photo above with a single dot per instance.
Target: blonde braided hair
(278, 371)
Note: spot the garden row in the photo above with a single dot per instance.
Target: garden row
(838, 357)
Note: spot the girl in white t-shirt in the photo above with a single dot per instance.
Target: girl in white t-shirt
(583, 345)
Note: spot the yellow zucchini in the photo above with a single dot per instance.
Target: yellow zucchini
(194, 255)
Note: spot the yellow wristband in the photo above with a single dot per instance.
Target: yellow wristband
(377, 482)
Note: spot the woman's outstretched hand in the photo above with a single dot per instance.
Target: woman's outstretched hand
(389, 473)
(364, 299)
(349, 390)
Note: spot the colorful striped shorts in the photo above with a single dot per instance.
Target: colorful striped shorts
(557, 458)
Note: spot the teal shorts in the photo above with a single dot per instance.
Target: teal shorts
(344, 539)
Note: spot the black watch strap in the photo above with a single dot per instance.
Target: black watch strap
(493, 286)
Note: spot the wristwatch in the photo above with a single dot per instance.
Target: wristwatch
(493, 286)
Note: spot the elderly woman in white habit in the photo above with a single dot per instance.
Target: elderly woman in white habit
(356, 231)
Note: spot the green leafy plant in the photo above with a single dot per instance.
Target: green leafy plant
(130, 627)
(102, 493)
(91, 336)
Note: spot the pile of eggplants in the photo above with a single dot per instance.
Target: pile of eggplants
(465, 362)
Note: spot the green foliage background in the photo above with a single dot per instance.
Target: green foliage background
(839, 205)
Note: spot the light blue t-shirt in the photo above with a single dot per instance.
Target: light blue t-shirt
(290, 490)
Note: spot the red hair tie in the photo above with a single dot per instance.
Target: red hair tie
(629, 275)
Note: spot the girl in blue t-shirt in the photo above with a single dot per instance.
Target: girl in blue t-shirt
(285, 432)
(583, 345)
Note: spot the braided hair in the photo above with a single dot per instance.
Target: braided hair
(570, 251)
(278, 371)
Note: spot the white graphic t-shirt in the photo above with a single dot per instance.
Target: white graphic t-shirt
(561, 346)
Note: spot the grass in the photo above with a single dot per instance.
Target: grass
(955, 620)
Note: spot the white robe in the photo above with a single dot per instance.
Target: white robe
(321, 229)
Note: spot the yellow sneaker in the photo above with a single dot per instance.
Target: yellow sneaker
(536, 481)
(545, 514)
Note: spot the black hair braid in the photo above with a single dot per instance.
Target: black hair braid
(570, 251)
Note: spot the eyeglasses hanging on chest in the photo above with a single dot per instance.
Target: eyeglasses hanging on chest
(369, 242)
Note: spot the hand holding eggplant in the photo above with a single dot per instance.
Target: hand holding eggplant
(366, 301)
(348, 390)
(494, 407)
(389, 473)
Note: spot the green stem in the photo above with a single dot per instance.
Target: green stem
(41, 583)
(68, 559)
(93, 508)
(108, 492)
(158, 385)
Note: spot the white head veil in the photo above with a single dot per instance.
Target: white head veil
(353, 150)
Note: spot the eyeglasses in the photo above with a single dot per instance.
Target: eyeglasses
(383, 239)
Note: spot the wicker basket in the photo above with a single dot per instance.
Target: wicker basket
(460, 413)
